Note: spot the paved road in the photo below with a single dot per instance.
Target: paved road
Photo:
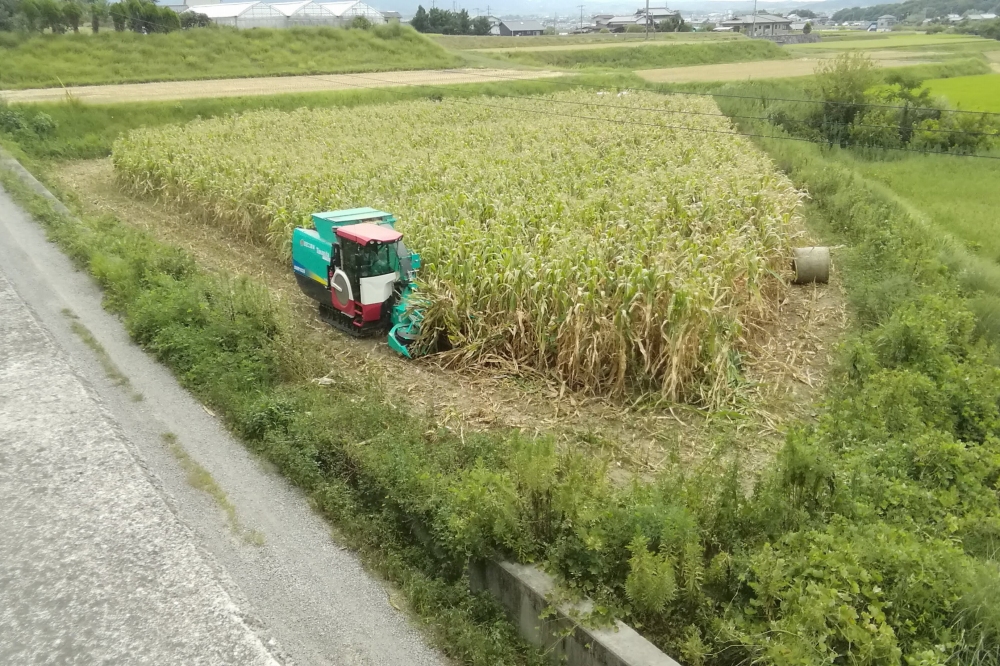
(108, 552)
(272, 85)
(94, 568)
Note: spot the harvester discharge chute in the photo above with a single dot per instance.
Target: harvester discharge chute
(354, 263)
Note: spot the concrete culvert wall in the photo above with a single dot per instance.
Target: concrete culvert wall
(811, 264)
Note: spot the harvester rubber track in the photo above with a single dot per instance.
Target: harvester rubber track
(336, 318)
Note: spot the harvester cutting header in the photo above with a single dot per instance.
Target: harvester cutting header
(355, 264)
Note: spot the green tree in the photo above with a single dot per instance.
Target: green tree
(98, 12)
(807, 28)
(462, 22)
(673, 24)
(420, 22)
(841, 83)
(73, 13)
(9, 9)
(194, 20)
(119, 17)
(51, 16)
(32, 15)
(361, 23)
(480, 26)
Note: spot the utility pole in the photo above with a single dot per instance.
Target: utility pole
(753, 23)
(647, 18)
(581, 18)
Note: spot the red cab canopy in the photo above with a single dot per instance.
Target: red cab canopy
(365, 233)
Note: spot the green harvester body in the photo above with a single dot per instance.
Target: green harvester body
(354, 263)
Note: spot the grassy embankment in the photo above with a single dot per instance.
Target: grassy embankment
(44, 61)
(646, 57)
(472, 42)
(871, 539)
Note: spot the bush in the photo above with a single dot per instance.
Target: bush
(360, 23)
(42, 124)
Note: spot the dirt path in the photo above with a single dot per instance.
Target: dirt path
(759, 69)
(275, 85)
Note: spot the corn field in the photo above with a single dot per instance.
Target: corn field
(617, 257)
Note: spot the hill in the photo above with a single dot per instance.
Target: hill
(916, 9)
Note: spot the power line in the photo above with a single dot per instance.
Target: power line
(645, 124)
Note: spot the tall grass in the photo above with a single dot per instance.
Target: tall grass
(649, 57)
(44, 61)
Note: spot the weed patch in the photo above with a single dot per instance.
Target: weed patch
(110, 369)
(201, 479)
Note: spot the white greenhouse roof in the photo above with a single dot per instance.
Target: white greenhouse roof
(292, 8)
(351, 7)
(223, 10)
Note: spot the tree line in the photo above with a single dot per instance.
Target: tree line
(447, 22)
(60, 16)
(916, 9)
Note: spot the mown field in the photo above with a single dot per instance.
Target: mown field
(646, 57)
(44, 61)
(973, 93)
(619, 288)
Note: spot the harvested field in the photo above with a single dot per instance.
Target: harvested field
(559, 262)
(250, 87)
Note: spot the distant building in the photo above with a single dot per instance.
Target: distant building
(759, 26)
(521, 28)
(621, 23)
(391, 17)
(601, 20)
(885, 22)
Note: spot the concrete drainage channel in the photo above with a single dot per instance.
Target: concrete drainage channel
(525, 592)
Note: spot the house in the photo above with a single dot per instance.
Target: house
(391, 17)
(656, 14)
(520, 28)
(761, 25)
(601, 20)
(621, 23)
(885, 22)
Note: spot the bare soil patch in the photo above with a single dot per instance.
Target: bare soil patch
(274, 85)
(784, 376)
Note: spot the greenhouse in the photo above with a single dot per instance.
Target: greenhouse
(347, 11)
(242, 15)
(305, 13)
